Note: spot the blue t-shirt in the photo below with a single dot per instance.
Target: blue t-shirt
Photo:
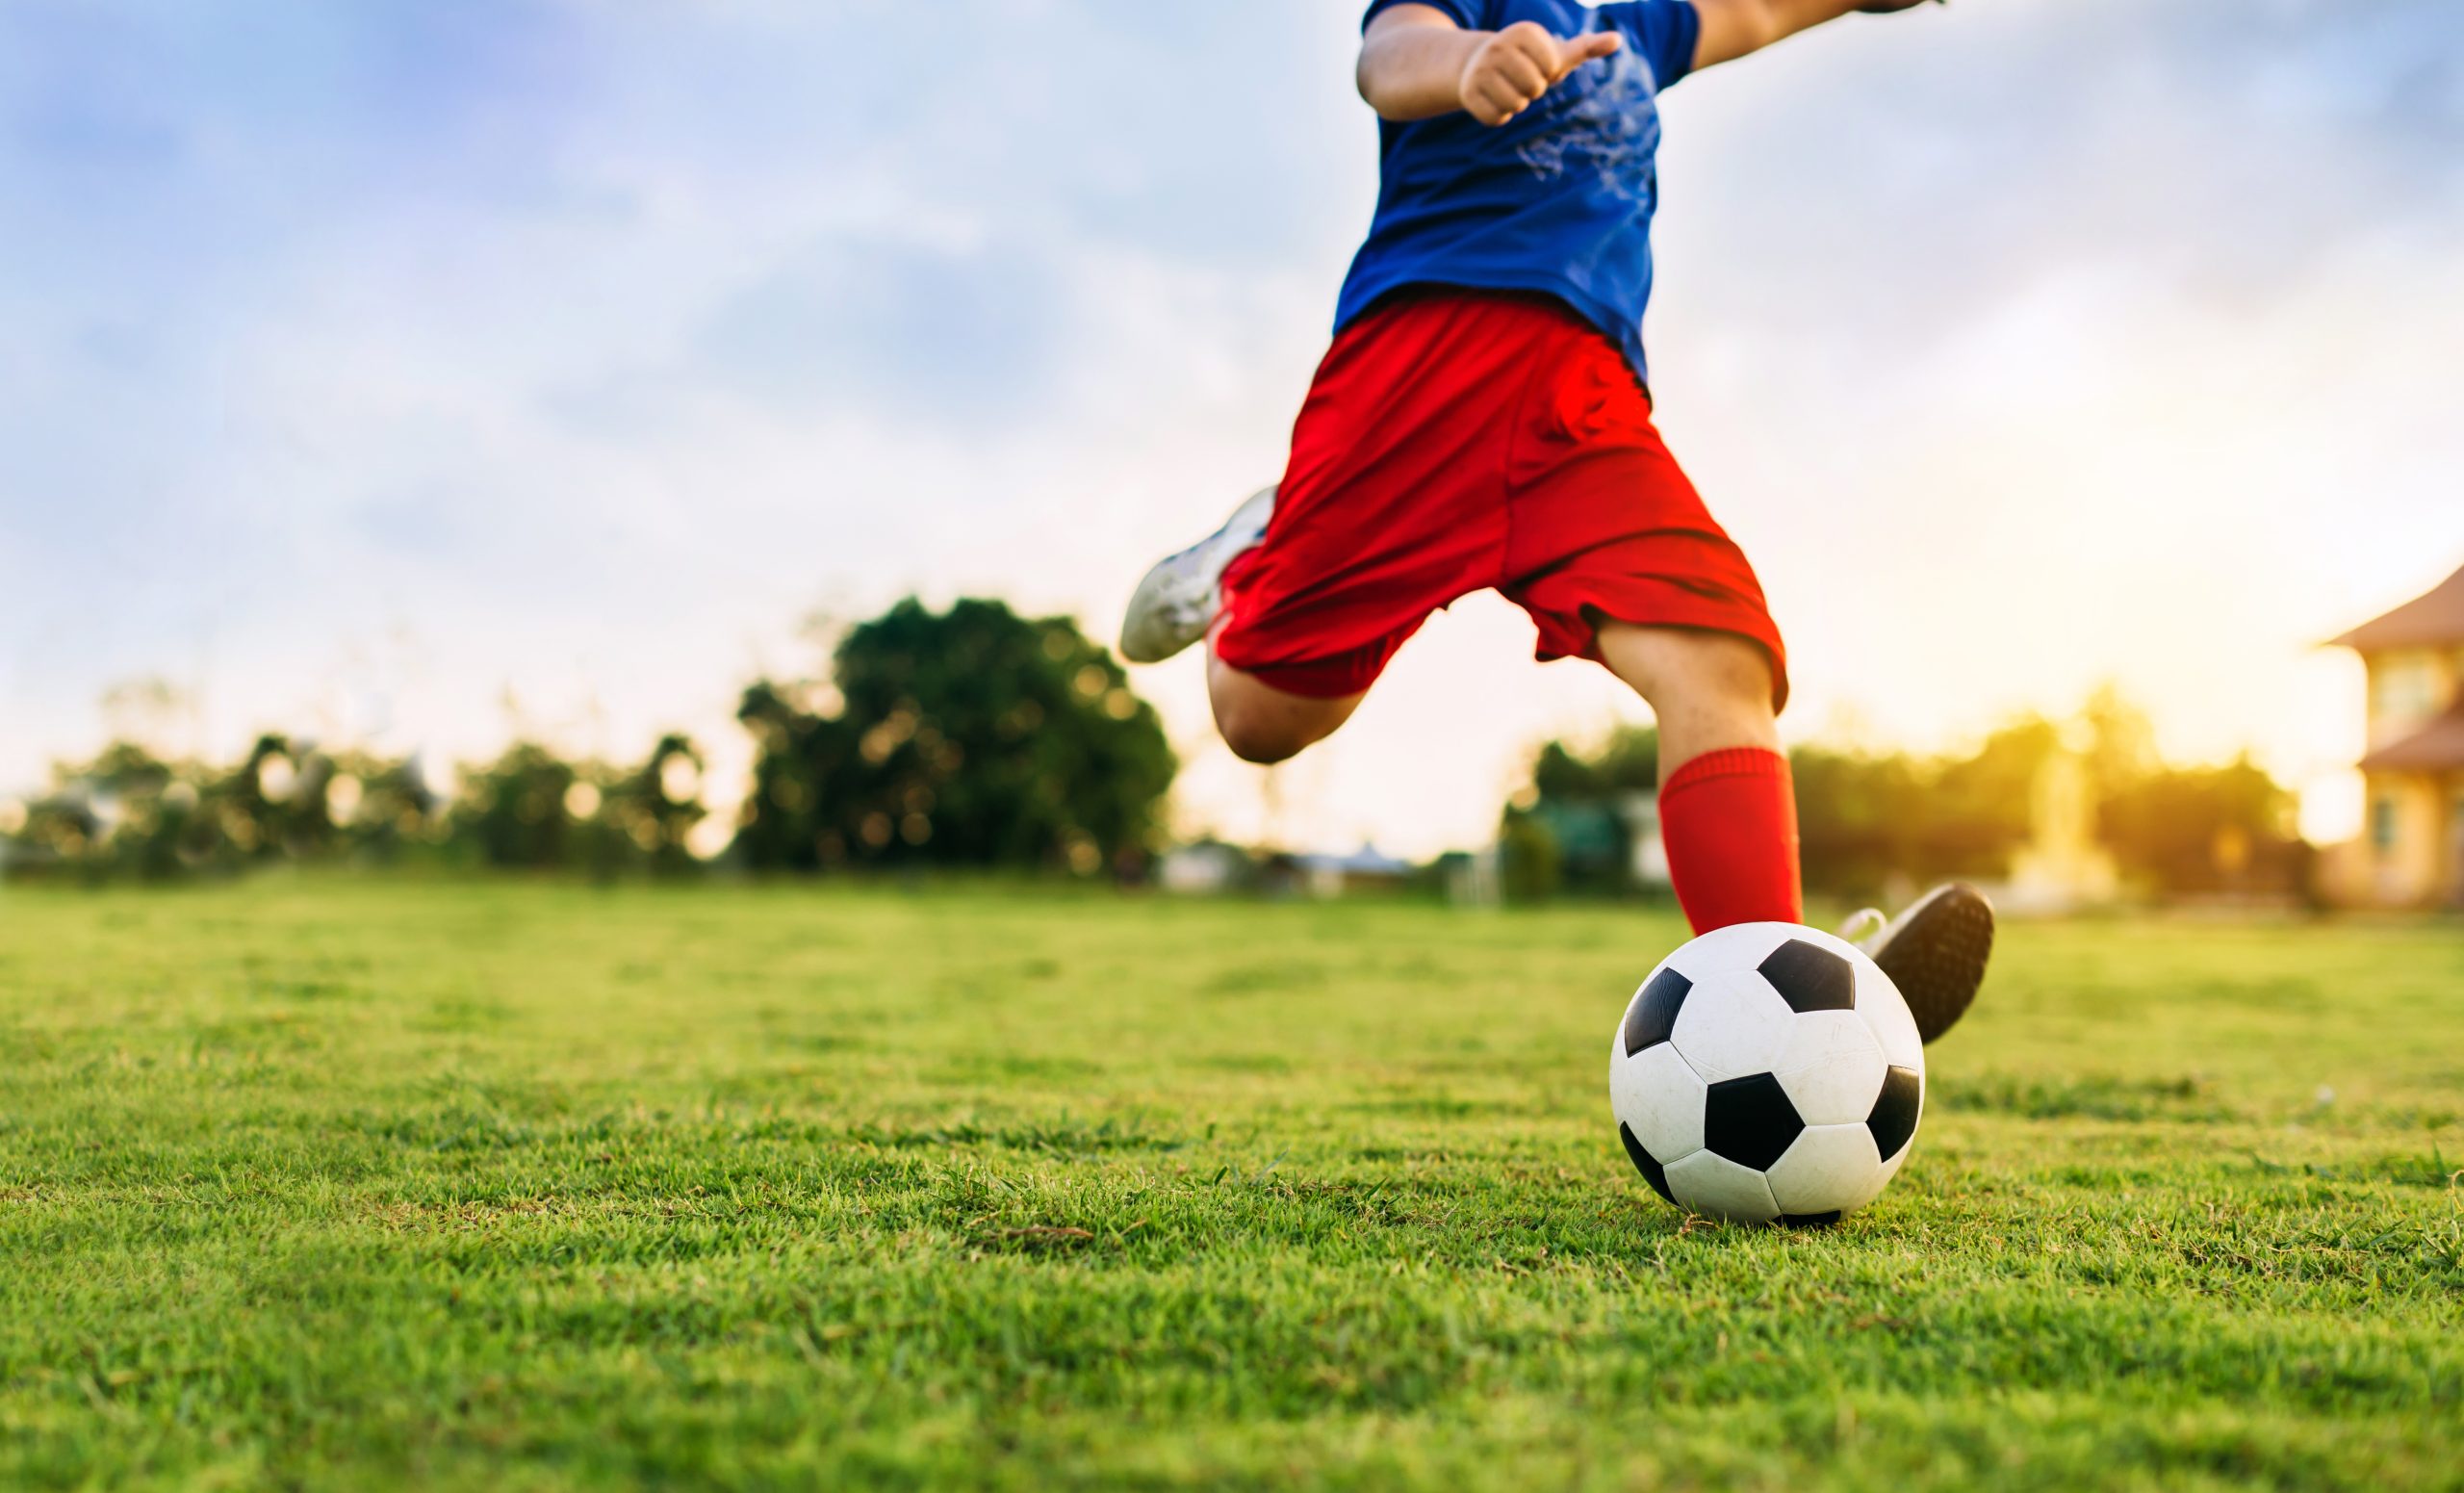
(1557, 200)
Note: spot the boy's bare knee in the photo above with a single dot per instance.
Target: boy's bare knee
(1266, 726)
(1256, 738)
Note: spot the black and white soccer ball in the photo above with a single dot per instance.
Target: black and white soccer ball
(1767, 1072)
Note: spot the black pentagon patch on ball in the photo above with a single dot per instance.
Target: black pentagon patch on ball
(1652, 1171)
(1894, 1117)
(1655, 1013)
(1750, 1120)
(1808, 1219)
(1810, 977)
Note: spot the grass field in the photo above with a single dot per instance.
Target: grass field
(358, 1184)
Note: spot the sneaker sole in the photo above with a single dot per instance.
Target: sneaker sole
(1937, 958)
(1139, 644)
(1141, 639)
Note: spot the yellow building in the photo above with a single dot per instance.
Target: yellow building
(2412, 846)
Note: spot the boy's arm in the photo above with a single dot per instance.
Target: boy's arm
(1416, 63)
(1733, 27)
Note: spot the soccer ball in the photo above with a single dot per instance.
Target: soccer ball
(1767, 1072)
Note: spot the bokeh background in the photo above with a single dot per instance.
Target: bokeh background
(422, 379)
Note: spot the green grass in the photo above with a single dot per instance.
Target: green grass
(517, 1187)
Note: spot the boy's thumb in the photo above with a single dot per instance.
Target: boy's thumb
(1592, 45)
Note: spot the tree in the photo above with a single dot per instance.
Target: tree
(1572, 829)
(2206, 830)
(646, 816)
(1860, 818)
(1869, 818)
(1979, 810)
(1628, 762)
(518, 812)
(1530, 865)
(272, 803)
(380, 807)
(972, 736)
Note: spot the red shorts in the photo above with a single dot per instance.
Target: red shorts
(1459, 440)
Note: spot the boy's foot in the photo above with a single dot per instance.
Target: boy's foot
(1176, 602)
(1935, 952)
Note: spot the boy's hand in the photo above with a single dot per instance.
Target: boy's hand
(1511, 70)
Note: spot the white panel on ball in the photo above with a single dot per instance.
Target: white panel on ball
(1783, 932)
(1737, 947)
(1828, 1168)
(1711, 1184)
(1733, 1025)
(1659, 1098)
(1887, 1012)
(1832, 1068)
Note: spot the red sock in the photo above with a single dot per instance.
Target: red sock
(1730, 820)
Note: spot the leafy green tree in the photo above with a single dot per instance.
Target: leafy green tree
(381, 808)
(646, 816)
(1860, 818)
(130, 813)
(77, 828)
(1628, 762)
(272, 804)
(1532, 866)
(2206, 830)
(54, 834)
(1867, 819)
(517, 812)
(972, 736)
(1581, 804)
(1978, 811)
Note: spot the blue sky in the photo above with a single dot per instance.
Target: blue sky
(417, 372)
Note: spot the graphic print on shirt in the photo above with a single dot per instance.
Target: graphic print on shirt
(1607, 126)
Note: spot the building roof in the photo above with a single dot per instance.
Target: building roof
(2429, 620)
(1367, 861)
(2436, 747)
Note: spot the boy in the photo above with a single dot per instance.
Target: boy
(1483, 419)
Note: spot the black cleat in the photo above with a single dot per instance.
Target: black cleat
(1935, 952)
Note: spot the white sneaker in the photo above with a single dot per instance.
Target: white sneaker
(1176, 602)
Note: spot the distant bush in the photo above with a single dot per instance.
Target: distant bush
(128, 814)
(1869, 818)
(131, 815)
(971, 737)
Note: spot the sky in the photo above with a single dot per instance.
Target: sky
(415, 372)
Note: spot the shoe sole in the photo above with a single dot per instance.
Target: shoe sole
(1135, 646)
(1938, 957)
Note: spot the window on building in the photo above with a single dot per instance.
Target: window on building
(2382, 825)
(2403, 688)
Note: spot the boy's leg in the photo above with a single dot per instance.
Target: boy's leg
(1265, 725)
(1392, 506)
(1729, 815)
(1727, 808)
(1711, 691)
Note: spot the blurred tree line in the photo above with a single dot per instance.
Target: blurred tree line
(132, 814)
(977, 738)
(971, 737)
(1876, 822)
